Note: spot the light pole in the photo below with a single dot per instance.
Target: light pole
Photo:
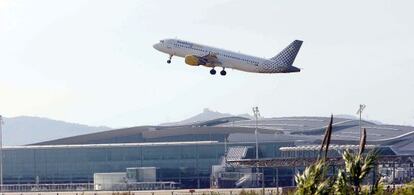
(225, 150)
(256, 116)
(360, 110)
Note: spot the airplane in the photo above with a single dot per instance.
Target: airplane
(196, 54)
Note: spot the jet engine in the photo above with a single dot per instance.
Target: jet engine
(194, 60)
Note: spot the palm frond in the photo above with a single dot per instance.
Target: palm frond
(368, 164)
(313, 179)
(342, 184)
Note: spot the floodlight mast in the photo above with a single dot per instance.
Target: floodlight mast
(225, 149)
(256, 116)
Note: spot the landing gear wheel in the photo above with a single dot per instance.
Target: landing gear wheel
(223, 73)
(169, 59)
(212, 72)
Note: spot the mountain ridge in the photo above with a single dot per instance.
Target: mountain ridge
(206, 115)
(23, 130)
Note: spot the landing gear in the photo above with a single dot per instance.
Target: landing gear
(212, 71)
(223, 72)
(169, 59)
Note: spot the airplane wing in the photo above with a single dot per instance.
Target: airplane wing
(209, 60)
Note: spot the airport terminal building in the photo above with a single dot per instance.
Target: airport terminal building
(186, 154)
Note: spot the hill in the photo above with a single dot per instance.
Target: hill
(206, 115)
(24, 130)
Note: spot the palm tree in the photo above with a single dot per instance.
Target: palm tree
(313, 180)
(357, 167)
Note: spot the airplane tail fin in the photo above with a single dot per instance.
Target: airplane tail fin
(288, 55)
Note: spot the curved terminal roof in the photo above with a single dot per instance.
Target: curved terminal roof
(301, 130)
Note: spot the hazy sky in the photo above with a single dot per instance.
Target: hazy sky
(92, 62)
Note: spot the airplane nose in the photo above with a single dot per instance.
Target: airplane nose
(156, 46)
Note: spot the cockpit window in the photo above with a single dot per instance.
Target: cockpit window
(161, 41)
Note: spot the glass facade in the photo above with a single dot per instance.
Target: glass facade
(185, 163)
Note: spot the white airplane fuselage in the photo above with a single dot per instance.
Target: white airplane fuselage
(215, 57)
